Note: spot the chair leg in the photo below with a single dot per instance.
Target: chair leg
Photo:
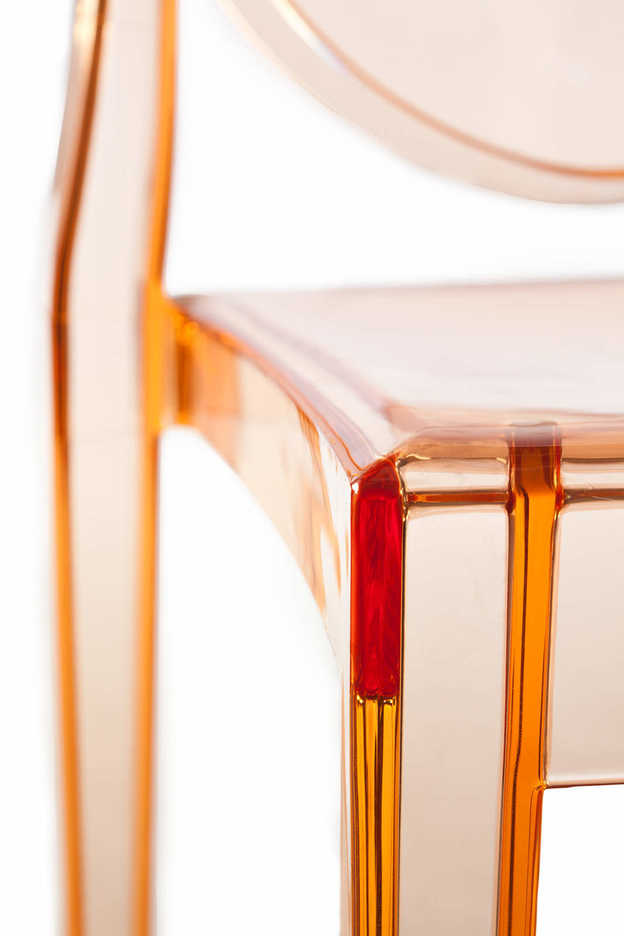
(536, 497)
(376, 761)
(108, 350)
(479, 581)
(378, 518)
(105, 553)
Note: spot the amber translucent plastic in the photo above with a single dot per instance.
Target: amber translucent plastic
(443, 462)
(108, 337)
(521, 103)
(536, 496)
(376, 765)
(377, 583)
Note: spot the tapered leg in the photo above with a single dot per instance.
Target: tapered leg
(109, 348)
(535, 501)
(105, 566)
(347, 535)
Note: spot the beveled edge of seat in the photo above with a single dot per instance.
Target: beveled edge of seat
(364, 421)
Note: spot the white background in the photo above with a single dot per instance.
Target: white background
(270, 191)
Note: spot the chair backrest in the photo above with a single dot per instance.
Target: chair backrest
(520, 97)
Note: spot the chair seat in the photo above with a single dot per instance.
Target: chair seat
(392, 370)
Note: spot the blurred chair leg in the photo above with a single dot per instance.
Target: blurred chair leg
(109, 346)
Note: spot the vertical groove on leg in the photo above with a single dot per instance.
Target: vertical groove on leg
(536, 497)
(375, 751)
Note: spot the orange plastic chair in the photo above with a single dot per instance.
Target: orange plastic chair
(445, 463)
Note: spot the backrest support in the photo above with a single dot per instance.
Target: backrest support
(522, 98)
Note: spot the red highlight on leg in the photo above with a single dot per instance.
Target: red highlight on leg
(376, 583)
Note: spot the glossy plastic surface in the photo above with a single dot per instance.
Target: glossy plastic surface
(495, 476)
(447, 467)
(453, 717)
(524, 102)
(106, 345)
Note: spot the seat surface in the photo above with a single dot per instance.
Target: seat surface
(391, 370)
